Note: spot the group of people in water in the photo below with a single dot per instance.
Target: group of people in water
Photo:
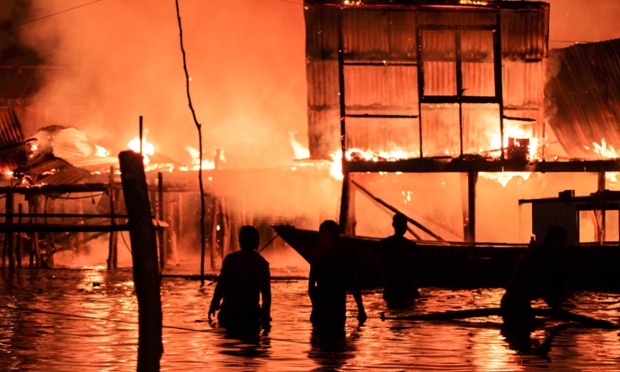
(242, 297)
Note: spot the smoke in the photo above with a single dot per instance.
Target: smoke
(579, 21)
(122, 59)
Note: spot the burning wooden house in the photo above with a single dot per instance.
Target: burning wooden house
(457, 89)
(432, 86)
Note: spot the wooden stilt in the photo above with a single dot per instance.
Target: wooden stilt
(9, 235)
(20, 244)
(79, 247)
(35, 201)
(214, 218)
(113, 235)
(174, 219)
(5, 249)
(601, 227)
(225, 246)
(161, 216)
(146, 272)
(347, 206)
(470, 222)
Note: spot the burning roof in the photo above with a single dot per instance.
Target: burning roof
(583, 98)
(59, 155)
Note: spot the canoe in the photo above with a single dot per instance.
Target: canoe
(468, 265)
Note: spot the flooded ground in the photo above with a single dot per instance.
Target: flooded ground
(86, 320)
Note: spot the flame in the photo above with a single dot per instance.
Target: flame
(300, 151)
(473, 2)
(514, 132)
(195, 154)
(147, 148)
(504, 177)
(517, 132)
(336, 167)
(605, 150)
(356, 154)
(101, 152)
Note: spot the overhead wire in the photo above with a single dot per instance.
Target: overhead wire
(59, 12)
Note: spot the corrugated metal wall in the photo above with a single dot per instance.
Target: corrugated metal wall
(584, 97)
(371, 35)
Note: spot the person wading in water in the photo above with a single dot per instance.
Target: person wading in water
(397, 257)
(244, 278)
(331, 275)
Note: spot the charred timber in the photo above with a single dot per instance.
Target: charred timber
(409, 4)
(463, 165)
(47, 227)
(87, 187)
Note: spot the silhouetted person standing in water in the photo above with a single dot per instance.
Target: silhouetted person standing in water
(397, 256)
(244, 278)
(536, 275)
(331, 276)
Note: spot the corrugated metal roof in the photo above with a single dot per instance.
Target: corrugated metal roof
(50, 170)
(583, 97)
(12, 152)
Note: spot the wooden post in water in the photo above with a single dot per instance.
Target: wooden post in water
(35, 252)
(213, 244)
(470, 220)
(146, 273)
(9, 221)
(347, 219)
(161, 216)
(112, 246)
(20, 244)
(600, 228)
(214, 212)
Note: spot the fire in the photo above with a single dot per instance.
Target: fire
(336, 167)
(514, 133)
(101, 152)
(195, 154)
(300, 151)
(607, 151)
(363, 155)
(473, 2)
(504, 177)
(147, 148)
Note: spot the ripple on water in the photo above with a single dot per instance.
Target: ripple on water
(87, 320)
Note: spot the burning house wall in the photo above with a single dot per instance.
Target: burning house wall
(425, 79)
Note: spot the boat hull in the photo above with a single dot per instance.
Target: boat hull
(458, 265)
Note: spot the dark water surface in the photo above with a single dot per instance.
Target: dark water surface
(86, 320)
